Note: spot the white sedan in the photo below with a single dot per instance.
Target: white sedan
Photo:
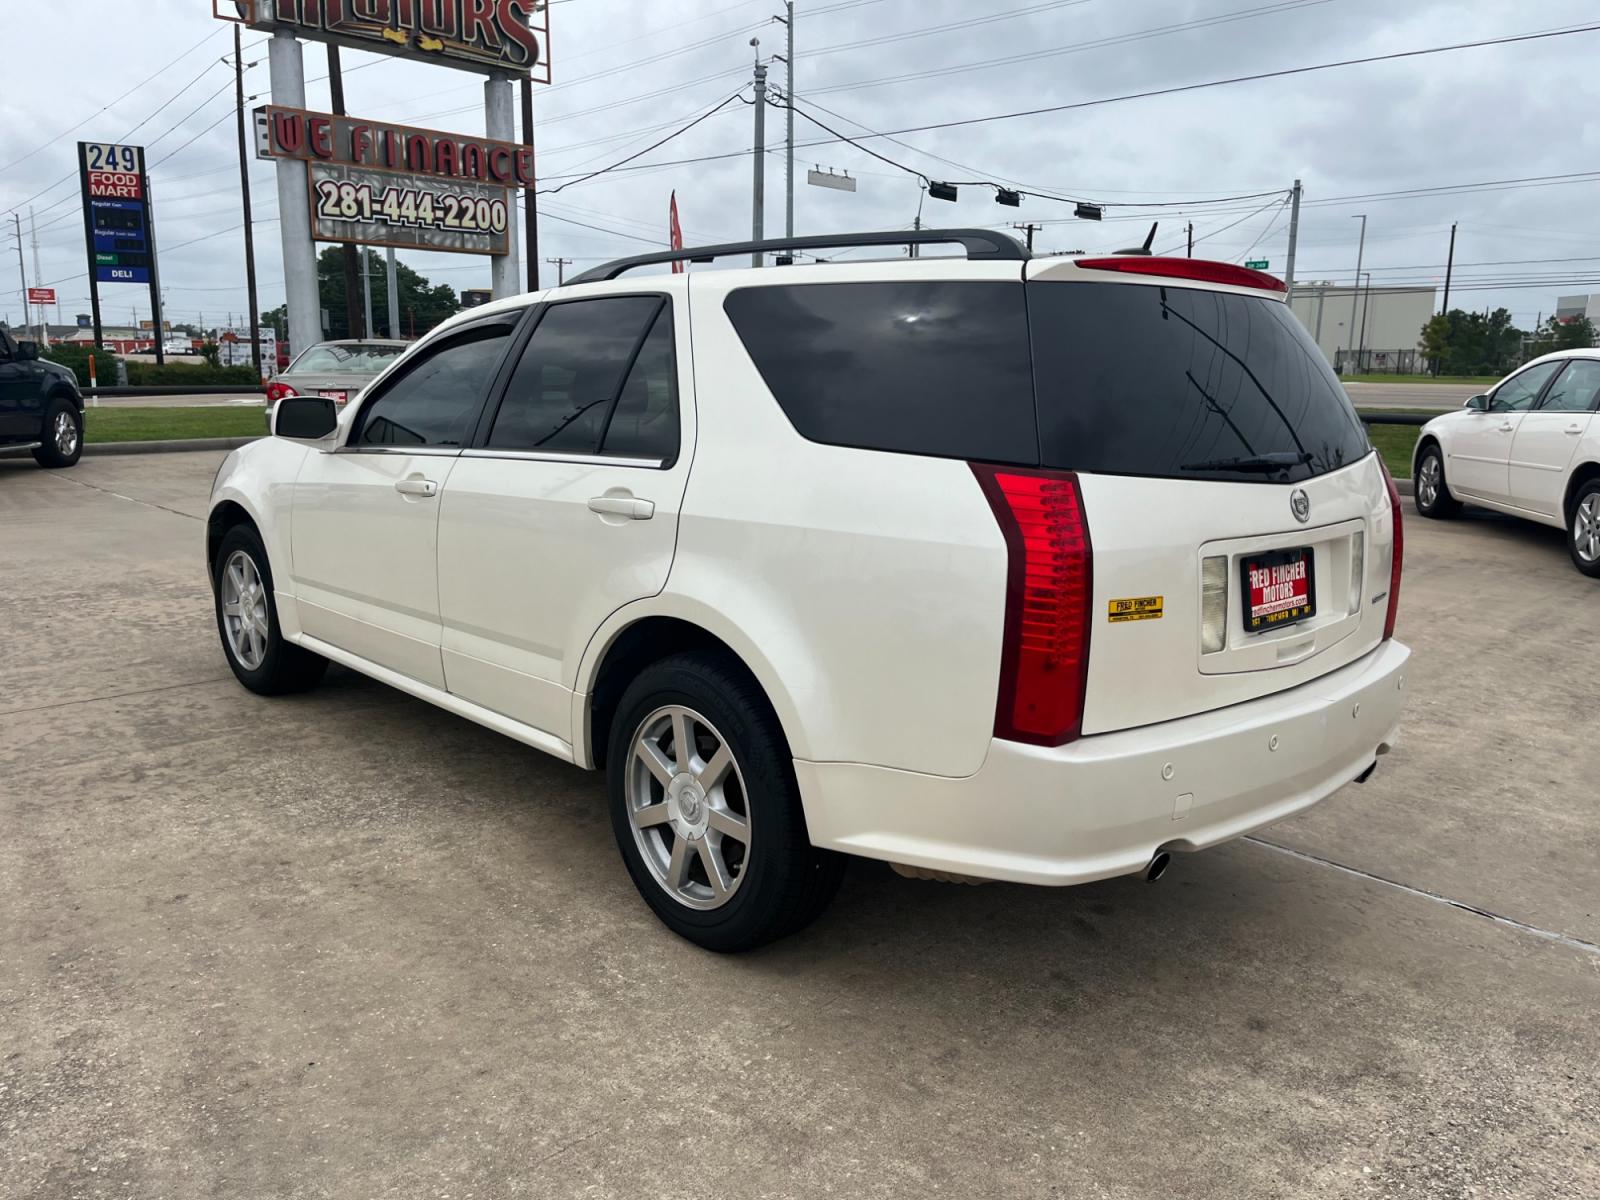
(1530, 447)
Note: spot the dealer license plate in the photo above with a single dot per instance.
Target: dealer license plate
(335, 396)
(1279, 588)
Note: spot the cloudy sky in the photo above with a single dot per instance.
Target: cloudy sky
(1437, 128)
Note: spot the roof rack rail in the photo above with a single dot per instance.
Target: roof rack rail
(981, 244)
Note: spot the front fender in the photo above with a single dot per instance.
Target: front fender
(260, 479)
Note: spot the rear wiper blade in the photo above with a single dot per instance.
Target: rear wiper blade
(1265, 463)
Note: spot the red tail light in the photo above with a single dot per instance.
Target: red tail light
(1199, 269)
(277, 391)
(1399, 549)
(1044, 660)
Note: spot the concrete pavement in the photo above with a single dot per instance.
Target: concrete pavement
(347, 945)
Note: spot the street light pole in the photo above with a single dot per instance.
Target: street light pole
(1355, 292)
(788, 170)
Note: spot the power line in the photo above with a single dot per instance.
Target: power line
(1168, 91)
(654, 145)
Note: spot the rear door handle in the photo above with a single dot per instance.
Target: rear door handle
(623, 506)
(1574, 430)
(417, 487)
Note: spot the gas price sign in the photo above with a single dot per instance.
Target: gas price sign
(382, 208)
(117, 210)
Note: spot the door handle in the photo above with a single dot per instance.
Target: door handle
(417, 487)
(623, 506)
(1506, 428)
(1573, 430)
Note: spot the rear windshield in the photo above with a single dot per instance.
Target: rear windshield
(1134, 379)
(357, 359)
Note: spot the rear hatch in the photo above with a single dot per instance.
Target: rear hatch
(1241, 526)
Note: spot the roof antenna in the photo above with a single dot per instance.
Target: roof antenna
(1144, 249)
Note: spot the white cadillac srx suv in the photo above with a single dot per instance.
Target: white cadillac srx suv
(1031, 569)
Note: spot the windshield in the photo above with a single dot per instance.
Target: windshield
(348, 359)
(1134, 379)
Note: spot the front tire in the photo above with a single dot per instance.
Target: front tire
(706, 810)
(62, 440)
(247, 620)
(1583, 530)
(1433, 496)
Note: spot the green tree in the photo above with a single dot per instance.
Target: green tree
(1463, 343)
(423, 305)
(1575, 333)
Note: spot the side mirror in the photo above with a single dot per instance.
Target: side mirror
(1477, 403)
(304, 418)
(27, 351)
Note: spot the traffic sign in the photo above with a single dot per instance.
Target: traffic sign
(1257, 264)
(37, 295)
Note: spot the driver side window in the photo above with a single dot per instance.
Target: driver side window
(434, 401)
(1518, 393)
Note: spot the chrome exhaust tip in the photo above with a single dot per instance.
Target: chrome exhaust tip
(1158, 866)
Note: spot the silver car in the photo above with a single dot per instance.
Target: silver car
(337, 370)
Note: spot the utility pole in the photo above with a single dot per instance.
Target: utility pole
(788, 168)
(352, 302)
(561, 265)
(22, 271)
(244, 185)
(1191, 239)
(1366, 307)
(1028, 227)
(1449, 267)
(529, 194)
(1355, 292)
(38, 278)
(1294, 240)
(759, 152)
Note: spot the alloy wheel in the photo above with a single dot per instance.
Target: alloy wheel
(687, 807)
(1586, 528)
(1428, 481)
(66, 434)
(244, 610)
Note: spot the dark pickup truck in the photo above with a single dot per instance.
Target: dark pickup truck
(41, 408)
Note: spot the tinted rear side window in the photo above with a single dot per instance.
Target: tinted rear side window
(1144, 380)
(920, 368)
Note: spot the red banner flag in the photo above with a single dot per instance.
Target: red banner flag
(676, 232)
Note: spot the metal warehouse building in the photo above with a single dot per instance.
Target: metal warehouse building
(1387, 323)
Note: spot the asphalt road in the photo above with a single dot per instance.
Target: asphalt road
(1442, 396)
(345, 945)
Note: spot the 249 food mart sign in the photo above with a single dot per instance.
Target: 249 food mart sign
(392, 185)
(492, 36)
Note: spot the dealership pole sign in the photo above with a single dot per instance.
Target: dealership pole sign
(119, 230)
(381, 184)
(491, 36)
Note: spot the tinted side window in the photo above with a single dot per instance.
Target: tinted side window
(1518, 393)
(570, 375)
(1183, 383)
(921, 368)
(1575, 390)
(645, 422)
(433, 402)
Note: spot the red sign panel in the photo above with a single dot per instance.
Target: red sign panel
(41, 295)
(116, 185)
(1277, 588)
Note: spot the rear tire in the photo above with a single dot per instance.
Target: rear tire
(1583, 529)
(247, 621)
(706, 809)
(1433, 496)
(62, 436)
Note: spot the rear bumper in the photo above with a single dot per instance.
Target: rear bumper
(1103, 805)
